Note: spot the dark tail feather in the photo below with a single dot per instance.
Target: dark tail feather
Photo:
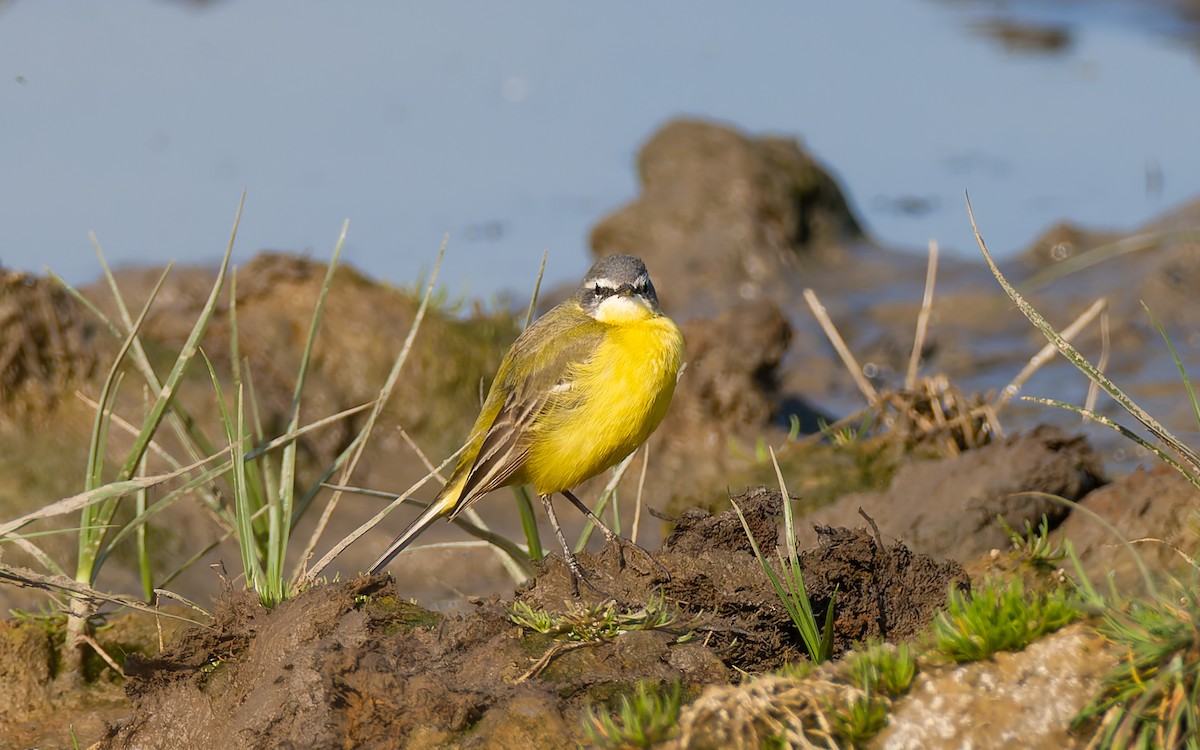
(428, 516)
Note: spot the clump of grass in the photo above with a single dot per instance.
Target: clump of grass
(881, 668)
(999, 616)
(1033, 547)
(1150, 699)
(789, 582)
(592, 622)
(862, 716)
(878, 674)
(641, 720)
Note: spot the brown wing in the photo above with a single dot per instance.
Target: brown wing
(503, 450)
(557, 348)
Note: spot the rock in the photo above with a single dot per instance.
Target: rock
(949, 508)
(720, 210)
(1025, 699)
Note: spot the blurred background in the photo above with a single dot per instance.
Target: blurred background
(513, 127)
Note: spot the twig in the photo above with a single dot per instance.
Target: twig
(89, 640)
(910, 380)
(183, 600)
(1093, 393)
(839, 344)
(553, 653)
(25, 578)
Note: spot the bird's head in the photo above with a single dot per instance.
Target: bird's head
(618, 290)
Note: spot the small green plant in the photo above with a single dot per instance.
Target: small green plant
(860, 718)
(1000, 616)
(878, 667)
(850, 434)
(1033, 546)
(796, 670)
(789, 583)
(583, 622)
(1150, 699)
(642, 720)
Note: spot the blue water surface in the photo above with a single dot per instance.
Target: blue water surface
(514, 126)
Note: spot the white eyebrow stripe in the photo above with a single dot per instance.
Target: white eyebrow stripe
(606, 283)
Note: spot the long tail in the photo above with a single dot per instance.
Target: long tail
(436, 510)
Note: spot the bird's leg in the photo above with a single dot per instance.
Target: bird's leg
(612, 537)
(572, 562)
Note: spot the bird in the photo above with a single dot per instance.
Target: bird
(579, 390)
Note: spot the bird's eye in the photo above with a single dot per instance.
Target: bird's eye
(596, 289)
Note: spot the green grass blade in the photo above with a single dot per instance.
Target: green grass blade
(145, 574)
(261, 581)
(791, 594)
(287, 469)
(244, 514)
(529, 525)
(108, 390)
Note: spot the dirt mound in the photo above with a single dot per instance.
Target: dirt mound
(950, 508)
(45, 345)
(1156, 509)
(353, 664)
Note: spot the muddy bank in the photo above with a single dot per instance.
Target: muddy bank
(353, 664)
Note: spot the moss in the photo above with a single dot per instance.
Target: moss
(394, 616)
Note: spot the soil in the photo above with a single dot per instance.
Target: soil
(354, 665)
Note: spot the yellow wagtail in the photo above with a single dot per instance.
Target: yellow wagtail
(579, 390)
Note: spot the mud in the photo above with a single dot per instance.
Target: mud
(353, 665)
(960, 507)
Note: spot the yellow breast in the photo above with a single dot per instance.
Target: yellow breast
(617, 399)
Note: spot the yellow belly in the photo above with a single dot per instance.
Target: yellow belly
(616, 400)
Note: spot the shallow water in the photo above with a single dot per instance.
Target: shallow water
(514, 128)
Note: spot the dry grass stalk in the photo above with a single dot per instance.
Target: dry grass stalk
(914, 360)
(835, 338)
